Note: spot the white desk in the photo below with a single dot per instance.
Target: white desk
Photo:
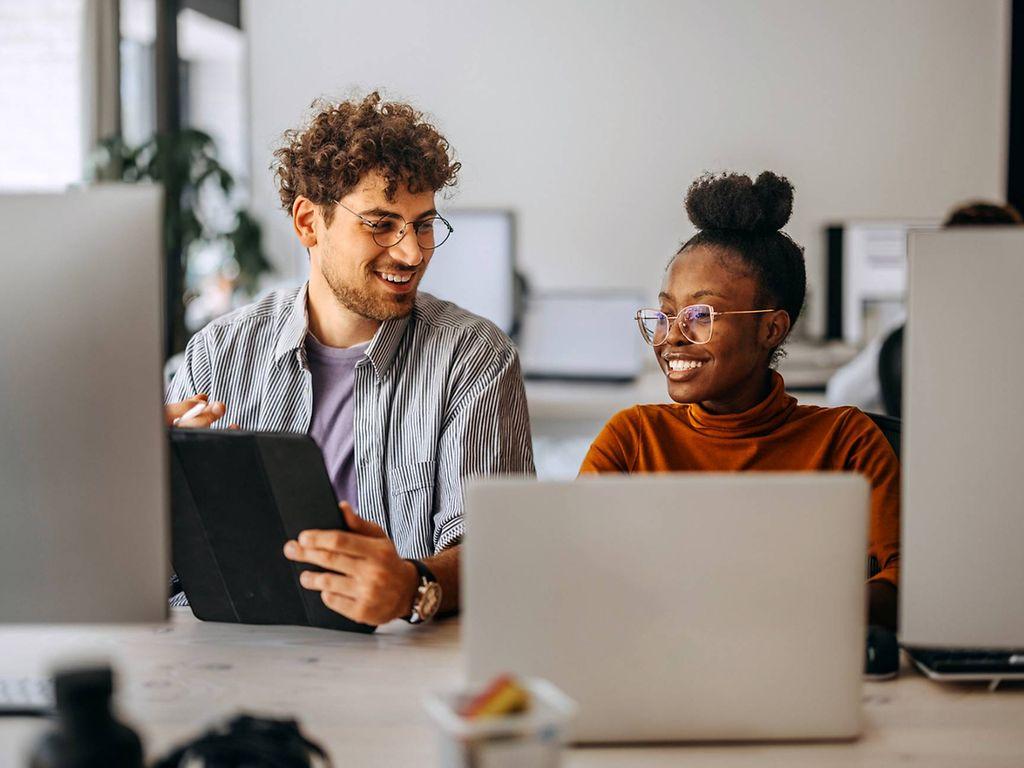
(360, 697)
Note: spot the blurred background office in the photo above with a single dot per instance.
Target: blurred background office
(579, 126)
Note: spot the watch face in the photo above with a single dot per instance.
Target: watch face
(430, 600)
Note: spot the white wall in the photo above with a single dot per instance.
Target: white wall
(590, 119)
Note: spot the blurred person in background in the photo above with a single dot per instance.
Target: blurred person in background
(859, 382)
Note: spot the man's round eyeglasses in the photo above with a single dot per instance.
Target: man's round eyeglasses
(388, 231)
(695, 322)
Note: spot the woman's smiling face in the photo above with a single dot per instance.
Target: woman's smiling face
(730, 373)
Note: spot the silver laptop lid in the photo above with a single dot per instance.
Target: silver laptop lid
(713, 606)
(963, 515)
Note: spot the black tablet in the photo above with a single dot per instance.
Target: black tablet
(236, 498)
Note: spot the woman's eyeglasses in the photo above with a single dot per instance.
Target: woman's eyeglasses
(695, 322)
(388, 231)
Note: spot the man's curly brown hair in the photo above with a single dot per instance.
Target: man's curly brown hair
(326, 159)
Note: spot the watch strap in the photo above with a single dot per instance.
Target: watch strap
(426, 576)
(422, 570)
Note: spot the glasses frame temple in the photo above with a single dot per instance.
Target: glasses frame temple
(741, 311)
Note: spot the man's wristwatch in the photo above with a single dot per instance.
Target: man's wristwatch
(428, 595)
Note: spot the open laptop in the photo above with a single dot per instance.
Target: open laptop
(962, 582)
(675, 607)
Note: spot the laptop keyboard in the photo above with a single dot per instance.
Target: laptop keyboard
(969, 661)
(26, 695)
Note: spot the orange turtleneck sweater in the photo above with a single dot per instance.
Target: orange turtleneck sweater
(774, 435)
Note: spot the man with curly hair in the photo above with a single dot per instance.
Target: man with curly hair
(405, 394)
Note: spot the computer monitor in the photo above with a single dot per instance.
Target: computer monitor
(582, 335)
(83, 500)
(962, 571)
(475, 268)
(867, 276)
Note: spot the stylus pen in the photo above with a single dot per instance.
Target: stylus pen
(191, 413)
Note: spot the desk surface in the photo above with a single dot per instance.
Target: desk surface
(360, 697)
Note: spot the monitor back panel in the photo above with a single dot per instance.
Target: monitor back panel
(83, 492)
(963, 401)
(677, 607)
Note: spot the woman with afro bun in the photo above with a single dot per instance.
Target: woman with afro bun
(728, 300)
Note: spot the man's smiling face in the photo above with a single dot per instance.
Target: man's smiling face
(372, 281)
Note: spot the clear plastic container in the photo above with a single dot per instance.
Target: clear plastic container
(532, 739)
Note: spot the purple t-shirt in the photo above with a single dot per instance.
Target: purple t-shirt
(333, 372)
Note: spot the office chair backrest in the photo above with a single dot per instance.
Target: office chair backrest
(890, 428)
(890, 372)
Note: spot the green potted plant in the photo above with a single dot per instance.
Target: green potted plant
(198, 202)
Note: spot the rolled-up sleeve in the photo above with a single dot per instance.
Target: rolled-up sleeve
(486, 432)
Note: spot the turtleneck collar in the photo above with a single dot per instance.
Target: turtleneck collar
(764, 418)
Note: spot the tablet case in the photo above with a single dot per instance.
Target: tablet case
(236, 498)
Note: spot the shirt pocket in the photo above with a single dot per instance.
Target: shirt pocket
(411, 502)
(405, 478)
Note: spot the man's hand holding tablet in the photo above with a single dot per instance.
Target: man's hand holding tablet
(366, 579)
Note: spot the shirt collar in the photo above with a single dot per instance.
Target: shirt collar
(296, 325)
(382, 349)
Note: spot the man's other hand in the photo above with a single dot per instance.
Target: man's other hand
(214, 410)
(366, 579)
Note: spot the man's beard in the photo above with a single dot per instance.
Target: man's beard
(364, 303)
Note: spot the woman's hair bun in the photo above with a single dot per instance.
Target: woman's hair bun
(731, 201)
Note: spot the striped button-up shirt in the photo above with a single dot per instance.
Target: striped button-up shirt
(438, 397)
